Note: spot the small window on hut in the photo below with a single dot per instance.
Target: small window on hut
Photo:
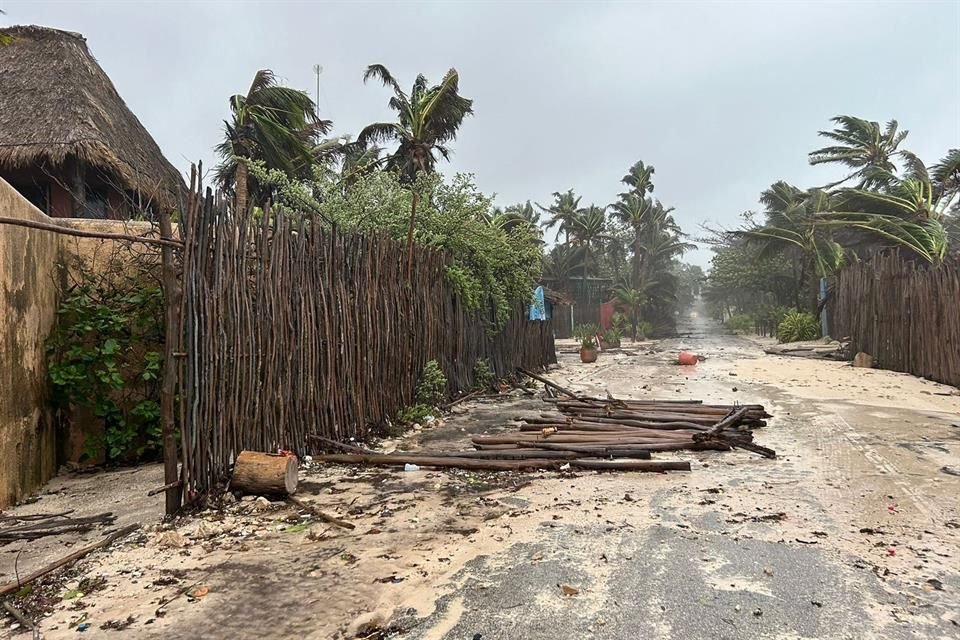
(36, 193)
(98, 203)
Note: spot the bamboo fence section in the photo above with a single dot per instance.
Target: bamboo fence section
(292, 329)
(904, 315)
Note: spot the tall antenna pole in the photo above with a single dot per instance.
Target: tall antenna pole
(317, 69)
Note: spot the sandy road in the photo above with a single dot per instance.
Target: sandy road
(851, 533)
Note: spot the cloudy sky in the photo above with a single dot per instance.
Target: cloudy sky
(723, 98)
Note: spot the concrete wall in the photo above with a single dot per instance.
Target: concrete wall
(29, 282)
(35, 266)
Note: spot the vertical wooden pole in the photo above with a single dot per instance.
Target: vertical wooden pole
(171, 294)
(78, 187)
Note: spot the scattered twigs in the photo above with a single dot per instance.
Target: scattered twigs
(469, 396)
(106, 541)
(20, 617)
(51, 525)
(170, 485)
(552, 385)
(312, 510)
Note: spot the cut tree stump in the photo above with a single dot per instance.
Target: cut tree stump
(264, 474)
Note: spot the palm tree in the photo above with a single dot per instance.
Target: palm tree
(560, 264)
(588, 229)
(633, 299)
(807, 223)
(862, 146)
(946, 174)
(359, 161)
(639, 178)
(647, 218)
(272, 123)
(516, 216)
(428, 119)
(562, 212)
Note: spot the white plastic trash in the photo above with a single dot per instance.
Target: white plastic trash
(410, 467)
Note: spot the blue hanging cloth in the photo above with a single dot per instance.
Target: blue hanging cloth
(538, 310)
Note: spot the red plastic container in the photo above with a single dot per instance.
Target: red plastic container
(686, 357)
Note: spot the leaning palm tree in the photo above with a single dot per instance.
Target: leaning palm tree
(271, 123)
(809, 223)
(428, 119)
(563, 211)
(863, 146)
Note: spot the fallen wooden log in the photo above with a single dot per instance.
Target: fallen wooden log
(633, 450)
(16, 585)
(440, 462)
(665, 426)
(312, 510)
(264, 473)
(341, 446)
(632, 465)
(581, 451)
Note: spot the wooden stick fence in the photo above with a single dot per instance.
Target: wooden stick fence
(292, 329)
(907, 316)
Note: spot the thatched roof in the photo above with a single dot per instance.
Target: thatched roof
(56, 102)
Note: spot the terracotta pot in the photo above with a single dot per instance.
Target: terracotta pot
(588, 354)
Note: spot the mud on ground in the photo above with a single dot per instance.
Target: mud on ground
(851, 533)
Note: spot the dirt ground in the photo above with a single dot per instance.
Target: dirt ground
(852, 532)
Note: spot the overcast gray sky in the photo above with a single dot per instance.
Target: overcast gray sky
(723, 98)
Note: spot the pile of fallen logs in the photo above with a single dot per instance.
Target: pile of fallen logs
(633, 428)
(588, 433)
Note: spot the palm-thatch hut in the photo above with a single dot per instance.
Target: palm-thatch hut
(68, 142)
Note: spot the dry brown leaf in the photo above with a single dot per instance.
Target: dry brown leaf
(567, 590)
(200, 591)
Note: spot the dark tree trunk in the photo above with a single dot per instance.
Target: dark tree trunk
(240, 186)
(78, 187)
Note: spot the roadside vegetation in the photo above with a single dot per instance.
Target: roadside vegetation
(770, 269)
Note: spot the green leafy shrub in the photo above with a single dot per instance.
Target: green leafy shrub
(104, 357)
(621, 323)
(429, 393)
(797, 326)
(587, 342)
(483, 376)
(612, 335)
(644, 329)
(741, 322)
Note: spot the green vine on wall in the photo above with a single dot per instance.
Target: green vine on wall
(104, 359)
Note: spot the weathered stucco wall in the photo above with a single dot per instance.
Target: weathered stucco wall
(29, 275)
(35, 267)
